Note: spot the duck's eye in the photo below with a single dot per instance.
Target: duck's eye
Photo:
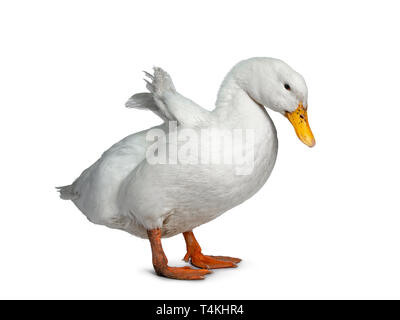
(287, 87)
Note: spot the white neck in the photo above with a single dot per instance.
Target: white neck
(236, 109)
(234, 106)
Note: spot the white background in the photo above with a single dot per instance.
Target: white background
(326, 224)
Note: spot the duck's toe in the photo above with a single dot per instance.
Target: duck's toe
(184, 273)
(225, 258)
(213, 262)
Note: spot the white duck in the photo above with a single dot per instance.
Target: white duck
(123, 190)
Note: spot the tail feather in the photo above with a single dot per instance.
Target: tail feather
(159, 84)
(67, 193)
(145, 100)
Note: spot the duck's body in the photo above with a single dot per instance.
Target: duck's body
(123, 190)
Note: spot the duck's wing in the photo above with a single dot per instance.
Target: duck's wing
(167, 103)
(145, 100)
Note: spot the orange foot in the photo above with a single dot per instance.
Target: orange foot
(183, 273)
(211, 262)
(202, 261)
(160, 261)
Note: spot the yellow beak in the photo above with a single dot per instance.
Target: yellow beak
(299, 119)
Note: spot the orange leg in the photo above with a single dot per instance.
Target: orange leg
(160, 261)
(202, 261)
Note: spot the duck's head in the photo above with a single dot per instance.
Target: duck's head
(272, 83)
